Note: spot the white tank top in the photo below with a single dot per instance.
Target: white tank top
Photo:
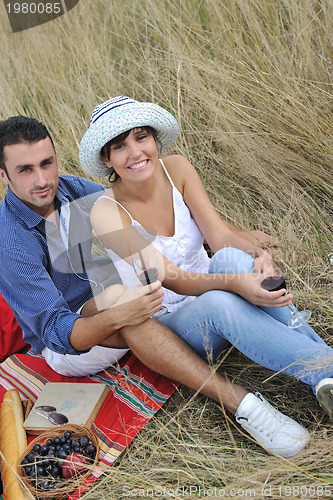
(184, 248)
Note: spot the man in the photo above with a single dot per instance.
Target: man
(47, 281)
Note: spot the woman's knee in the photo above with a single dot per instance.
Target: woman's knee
(231, 260)
(218, 305)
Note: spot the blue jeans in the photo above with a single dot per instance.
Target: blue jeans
(217, 317)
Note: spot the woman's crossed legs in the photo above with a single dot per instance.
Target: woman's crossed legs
(218, 317)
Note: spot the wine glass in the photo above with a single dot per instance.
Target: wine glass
(146, 269)
(276, 282)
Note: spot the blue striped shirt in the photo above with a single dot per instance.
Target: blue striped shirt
(43, 281)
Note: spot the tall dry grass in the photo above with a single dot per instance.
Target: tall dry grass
(250, 84)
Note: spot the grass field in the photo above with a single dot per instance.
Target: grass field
(250, 83)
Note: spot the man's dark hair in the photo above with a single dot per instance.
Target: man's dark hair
(20, 129)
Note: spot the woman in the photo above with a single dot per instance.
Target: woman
(209, 302)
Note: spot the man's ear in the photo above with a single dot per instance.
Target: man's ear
(4, 177)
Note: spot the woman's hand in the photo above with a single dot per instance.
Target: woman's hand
(264, 240)
(248, 287)
(263, 265)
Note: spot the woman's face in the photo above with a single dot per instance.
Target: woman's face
(135, 157)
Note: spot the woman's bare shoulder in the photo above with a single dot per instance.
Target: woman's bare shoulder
(104, 202)
(176, 161)
(106, 216)
(179, 169)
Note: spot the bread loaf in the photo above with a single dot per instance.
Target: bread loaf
(13, 442)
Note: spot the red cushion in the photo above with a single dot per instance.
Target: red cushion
(11, 340)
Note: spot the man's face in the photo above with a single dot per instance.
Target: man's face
(32, 174)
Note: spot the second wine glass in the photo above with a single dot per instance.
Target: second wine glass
(146, 269)
(277, 282)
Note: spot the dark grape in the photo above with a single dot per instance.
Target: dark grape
(75, 443)
(31, 457)
(56, 440)
(44, 450)
(62, 454)
(45, 463)
(91, 450)
(55, 471)
(25, 461)
(37, 448)
(67, 434)
(84, 441)
(40, 471)
(49, 442)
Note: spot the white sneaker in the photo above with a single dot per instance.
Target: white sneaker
(324, 392)
(272, 429)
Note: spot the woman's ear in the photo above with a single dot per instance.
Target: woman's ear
(105, 159)
(107, 163)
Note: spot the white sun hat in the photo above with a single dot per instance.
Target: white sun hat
(117, 115)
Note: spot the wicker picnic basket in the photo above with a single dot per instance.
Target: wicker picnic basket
(62, 488)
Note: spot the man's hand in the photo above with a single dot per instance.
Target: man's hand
(248, 287)
(117, 306)
(136, 304)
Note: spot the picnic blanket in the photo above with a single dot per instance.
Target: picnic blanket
(136, 394)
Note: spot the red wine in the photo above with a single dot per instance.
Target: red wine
(273, 283)
(148, 276)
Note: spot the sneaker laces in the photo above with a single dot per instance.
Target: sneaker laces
(264, 418)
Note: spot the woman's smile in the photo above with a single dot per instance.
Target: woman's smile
(138, 166)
